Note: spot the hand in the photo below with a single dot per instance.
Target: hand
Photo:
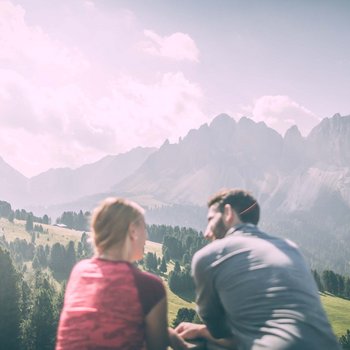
(176, 342)
(187, 330)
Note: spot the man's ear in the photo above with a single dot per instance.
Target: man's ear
(230, 216)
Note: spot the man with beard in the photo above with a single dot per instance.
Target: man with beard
(253, 291)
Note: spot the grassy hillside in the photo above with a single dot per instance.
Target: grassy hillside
(174, 301)
(51, 235)
(55, 234)
(338, 309)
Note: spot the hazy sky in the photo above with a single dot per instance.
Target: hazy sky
(80, 79)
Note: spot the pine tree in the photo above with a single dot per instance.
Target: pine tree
(347, 287)
(41, 256)
(166, 254)
(57, 258)
(184, 315)
(149, 261)
(174, 281)
(5, 209)
(86, 246)
(80, 221)
(35, 263)
(46, 219)
(177, 268)
(9, 303)
(155, 262)
(71, 258)
(41, 324)
(344, 340)
(163, 267)
(11, 216)
(60, 299)
(29, 223)
(318, 281)
(330, 281)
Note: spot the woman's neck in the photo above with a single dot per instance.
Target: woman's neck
(116, 253)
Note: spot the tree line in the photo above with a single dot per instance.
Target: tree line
(59, 258)
(178, 243)
(334, 283)
(77, 221)
(30, 303)
(29, 308)
(35, 303)
(178, 246)
(7, 212)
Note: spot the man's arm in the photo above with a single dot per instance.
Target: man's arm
(208, 302)
(190, 331)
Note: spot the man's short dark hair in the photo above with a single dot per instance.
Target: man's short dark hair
(244, 204)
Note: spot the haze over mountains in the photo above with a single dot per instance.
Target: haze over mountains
(301, 182)
(285, 173)
(61, 185)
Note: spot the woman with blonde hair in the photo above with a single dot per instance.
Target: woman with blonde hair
(109, 303)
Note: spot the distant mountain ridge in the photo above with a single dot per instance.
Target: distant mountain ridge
(64, 184)
(302, 183)
(12, 183)
(224, 153)
(250, 155)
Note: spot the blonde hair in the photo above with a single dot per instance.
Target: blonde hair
(111, 220)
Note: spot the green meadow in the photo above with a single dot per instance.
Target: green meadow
(337, 309)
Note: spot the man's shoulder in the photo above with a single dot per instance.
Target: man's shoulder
(210, 249)
(204, 257)
(248, 231)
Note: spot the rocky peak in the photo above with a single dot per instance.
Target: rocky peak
(329, 141)
(293, 149)
(293, 133)
(222, 121)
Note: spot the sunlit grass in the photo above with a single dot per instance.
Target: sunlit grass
(51, 234)
(337, 309)
(154, 247)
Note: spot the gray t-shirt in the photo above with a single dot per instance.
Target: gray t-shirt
(259, 289)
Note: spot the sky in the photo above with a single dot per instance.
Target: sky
(81, 79)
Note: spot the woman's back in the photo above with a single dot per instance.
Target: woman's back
(105, 306)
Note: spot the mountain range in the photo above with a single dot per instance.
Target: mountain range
(57, 186)
(302, 183)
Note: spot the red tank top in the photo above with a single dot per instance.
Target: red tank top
(105, 306)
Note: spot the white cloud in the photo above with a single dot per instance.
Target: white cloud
(48, 127)
(59, 107)
(281, 112)
(149, 113)
(28, 48)
(178, 46)
(62, 126)
(89, 5)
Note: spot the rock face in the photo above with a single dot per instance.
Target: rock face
(302, 183)
(329, 142)
(286, 174)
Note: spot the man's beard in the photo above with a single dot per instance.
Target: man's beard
(220, 229)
